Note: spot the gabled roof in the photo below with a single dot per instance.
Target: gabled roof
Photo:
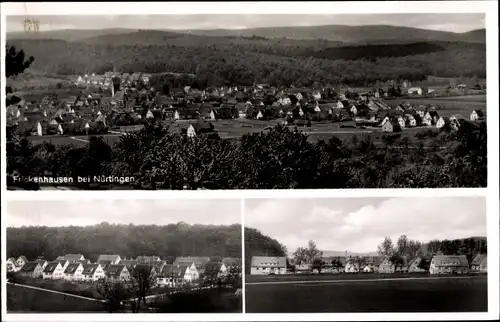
(89, 269)
(29, 267)
(478, 259)
(114, 270)
(23, 258)
(71, 269)
(51, 267)
(197, 260)
(450, 260)
(266, 261)
(71, 257)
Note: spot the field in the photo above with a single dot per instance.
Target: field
(366, 293)
(20, 300)
(447, 106)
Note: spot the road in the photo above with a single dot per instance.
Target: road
(344, 295)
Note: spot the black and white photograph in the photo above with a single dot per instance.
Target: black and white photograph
(348, 255)
(124, 256)
(245, 101)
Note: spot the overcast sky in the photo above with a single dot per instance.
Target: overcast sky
(446, 22)
(137, 212)
(360, 224)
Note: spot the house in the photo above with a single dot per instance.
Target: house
(430, 118)
(71, 257)
(130, 264)
(456, 121)
(53, 270)
(303, 268)
(198, 128)
(479, 263)
(449, 264)
(64, 263)
(177, 274)
(147, 259)
(414, 265)
(351, 266)
(31, 270)
(477, 115)
(228, 264)
(113, 259)
(12, 266)
(73, 272)
(92, 272)
(442, 122)
(117, 272)
(401, 121)
(21, 260)
(415, 91)
(265, 265)
(411, 121)
(198, 261)
(391, 125)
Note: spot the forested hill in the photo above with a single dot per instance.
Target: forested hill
(245, 61)
(128, 241)
(369, 34)
(258, 244)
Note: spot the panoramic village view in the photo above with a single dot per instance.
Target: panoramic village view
(350, 105)
(426, 259)
(165, 266)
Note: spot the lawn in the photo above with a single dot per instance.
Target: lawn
(356, 293)
(21, 300)
(447, 105)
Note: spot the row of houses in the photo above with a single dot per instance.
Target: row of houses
(439, 264)
(75, 268)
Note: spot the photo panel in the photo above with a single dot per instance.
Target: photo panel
(213, 101)
(366, 255)
(124, 256)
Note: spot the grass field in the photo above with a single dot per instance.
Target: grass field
(448, 106)
(366, 293)
(21, 299)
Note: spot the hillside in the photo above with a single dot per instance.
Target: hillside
(349, 34)
(167, 242)
(67, 34)
(369, 34)
(245, 61)
(257, 244)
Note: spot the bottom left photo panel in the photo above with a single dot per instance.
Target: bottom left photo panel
(124, 256)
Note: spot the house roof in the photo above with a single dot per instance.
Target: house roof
(266, 261)
(23, 258)
(114, 270)
(50, 268)
(231, 261)
(71, 269)
(197, 260)
(112, 258)
(450, 260)
(175, 270)
(71, 257)
(129, 263)
(146, 259)
(478, 259)
(29, 266)
(89, 269)
(203, 126)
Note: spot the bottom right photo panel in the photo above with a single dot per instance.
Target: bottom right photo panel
(343, 255)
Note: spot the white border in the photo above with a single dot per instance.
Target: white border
(492, 192)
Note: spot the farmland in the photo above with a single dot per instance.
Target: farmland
(346, 293)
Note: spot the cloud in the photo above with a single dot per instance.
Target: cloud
(138, 212)
(359, 225)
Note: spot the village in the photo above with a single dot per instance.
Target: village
(113, 268)
(439, 264)
(119, 103)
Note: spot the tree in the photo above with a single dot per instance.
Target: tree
(142, 281)
(211, 274)
(317, 264)
(433, 247)
(312, 252)
(300, 256)
(16, 62)
(337, 264)
(114, 294)
(386, 248)
(397, 260)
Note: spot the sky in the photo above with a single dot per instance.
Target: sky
(137, 212)
(360, 224)
(443, 21)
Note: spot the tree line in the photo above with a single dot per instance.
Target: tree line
(128, 241)
(246, 62)
(278, 158)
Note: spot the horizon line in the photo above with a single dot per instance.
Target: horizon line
(243, 29)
